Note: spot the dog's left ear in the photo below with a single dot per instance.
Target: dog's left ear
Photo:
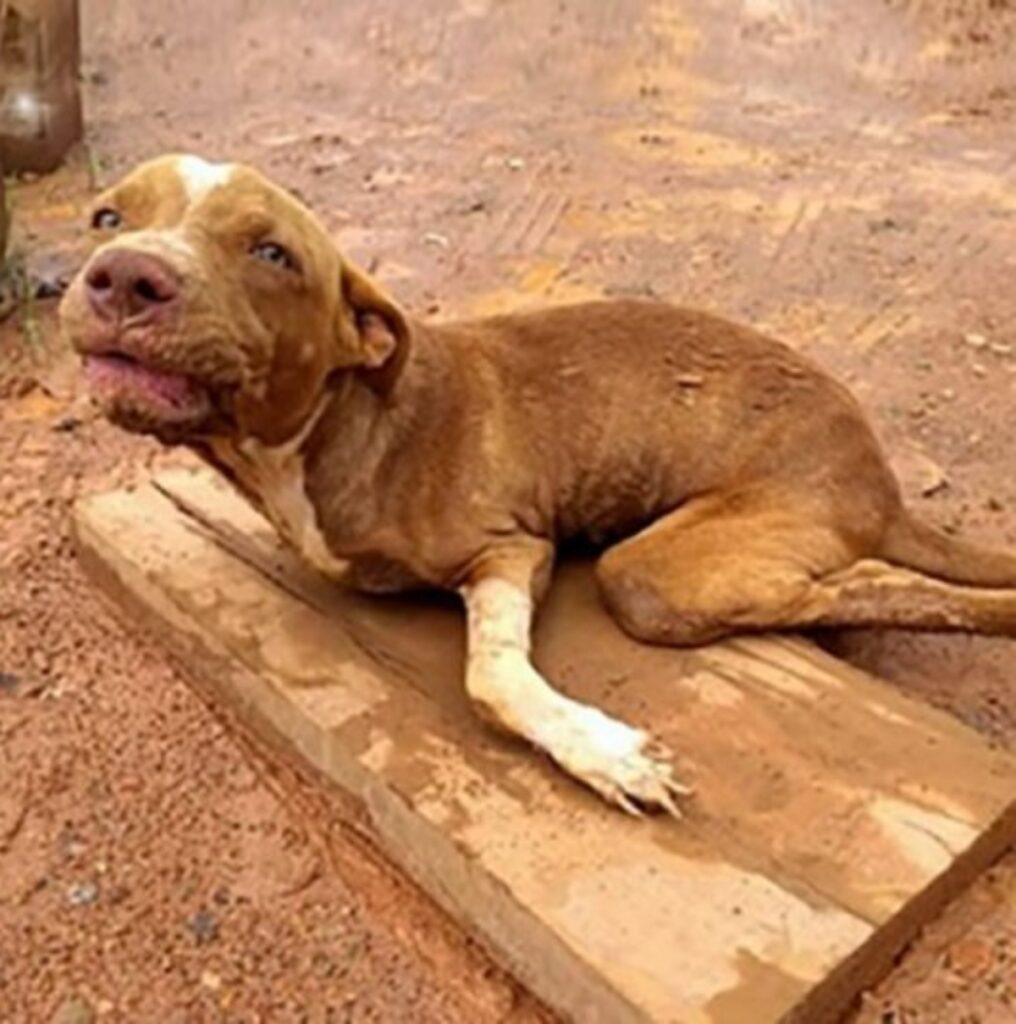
(373, 331)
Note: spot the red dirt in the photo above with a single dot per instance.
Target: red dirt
(839, 173)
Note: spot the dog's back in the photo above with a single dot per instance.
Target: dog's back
(621, 410)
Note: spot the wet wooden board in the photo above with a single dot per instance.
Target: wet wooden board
(833, 815)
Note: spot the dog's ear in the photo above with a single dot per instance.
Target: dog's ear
(373, 331)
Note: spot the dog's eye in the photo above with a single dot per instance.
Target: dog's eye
(272, 252)
(106, 219)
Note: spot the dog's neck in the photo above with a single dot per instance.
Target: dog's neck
(364, 431)
(351, 440)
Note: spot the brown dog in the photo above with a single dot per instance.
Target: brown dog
(740, 487)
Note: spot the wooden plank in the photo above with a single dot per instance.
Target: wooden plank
(833, 815)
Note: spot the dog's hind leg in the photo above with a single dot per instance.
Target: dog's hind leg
(719, 565)
(701, 574)
(610, 756)
(874, 593)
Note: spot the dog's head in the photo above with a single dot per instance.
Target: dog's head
(214, 303)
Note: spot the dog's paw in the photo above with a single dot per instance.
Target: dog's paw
(621, 763)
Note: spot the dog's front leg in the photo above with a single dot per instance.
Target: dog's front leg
(613, 758)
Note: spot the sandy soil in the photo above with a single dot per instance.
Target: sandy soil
(839, 173)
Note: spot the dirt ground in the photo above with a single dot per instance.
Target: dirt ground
(840, 173)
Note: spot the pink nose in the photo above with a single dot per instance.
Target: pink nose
(125, 285)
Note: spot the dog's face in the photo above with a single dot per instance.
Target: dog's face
(214, 303)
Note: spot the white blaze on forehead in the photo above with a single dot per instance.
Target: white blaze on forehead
(200, 177)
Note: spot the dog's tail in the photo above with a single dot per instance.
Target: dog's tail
(913, 544)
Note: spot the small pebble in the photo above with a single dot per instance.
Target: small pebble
(210, 980)
(83, 894)
(979, 370)
(970, 957)
(203, 926)
(975, 340)
(515, 163)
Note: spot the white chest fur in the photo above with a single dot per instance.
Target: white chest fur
(276, 475)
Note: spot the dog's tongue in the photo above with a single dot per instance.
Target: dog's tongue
(111, 375)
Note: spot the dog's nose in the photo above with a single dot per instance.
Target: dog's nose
(122, 284)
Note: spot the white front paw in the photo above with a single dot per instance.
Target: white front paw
(614, 759)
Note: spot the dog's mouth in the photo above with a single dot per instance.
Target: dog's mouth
(146, 399)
